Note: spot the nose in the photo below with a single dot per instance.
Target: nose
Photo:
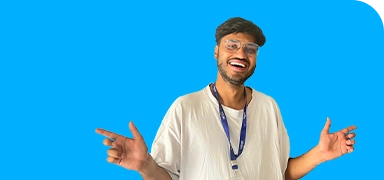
(240, 53)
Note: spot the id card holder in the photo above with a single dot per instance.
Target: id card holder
(237, 176)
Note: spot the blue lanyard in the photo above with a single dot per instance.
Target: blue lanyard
(224, 122)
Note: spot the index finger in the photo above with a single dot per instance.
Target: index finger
(350, 128)
(106, 133)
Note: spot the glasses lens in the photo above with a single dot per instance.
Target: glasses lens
(231, 45)
(251, 49)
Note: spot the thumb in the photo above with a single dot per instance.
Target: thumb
(136, 134)
(327, 126)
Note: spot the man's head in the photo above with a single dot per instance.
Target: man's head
(237, 43)
(240, 25)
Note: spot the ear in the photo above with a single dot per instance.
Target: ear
(216, 51)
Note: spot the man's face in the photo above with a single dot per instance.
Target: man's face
(236, 58)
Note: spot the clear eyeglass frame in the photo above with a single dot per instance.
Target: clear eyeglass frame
(249, 48)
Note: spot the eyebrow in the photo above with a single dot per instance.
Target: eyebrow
(241, 42)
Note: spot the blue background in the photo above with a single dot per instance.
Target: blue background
(68, 67)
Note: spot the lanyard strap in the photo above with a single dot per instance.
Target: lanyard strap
(224, 122)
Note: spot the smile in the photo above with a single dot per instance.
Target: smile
(237, 64)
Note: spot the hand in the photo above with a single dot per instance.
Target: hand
(336, 144)
(126, 152)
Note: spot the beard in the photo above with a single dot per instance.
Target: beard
(235, 80)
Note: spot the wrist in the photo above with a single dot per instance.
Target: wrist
(319, 155)
(148, 166)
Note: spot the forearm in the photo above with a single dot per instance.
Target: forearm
(152, 171)
(302, 165)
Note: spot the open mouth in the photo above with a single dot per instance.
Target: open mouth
(237, 64)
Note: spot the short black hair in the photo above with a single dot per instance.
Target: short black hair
(240, 25)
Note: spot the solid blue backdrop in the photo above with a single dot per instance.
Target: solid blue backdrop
(68, 67)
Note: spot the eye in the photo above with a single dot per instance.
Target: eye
(250, 50)
(232, 46)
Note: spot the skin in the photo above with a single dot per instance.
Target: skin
(232, 94)
(132, 153)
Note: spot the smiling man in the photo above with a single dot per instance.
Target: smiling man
(226, 130)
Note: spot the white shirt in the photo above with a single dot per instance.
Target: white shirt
(191, 143)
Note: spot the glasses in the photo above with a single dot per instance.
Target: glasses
(232, 46)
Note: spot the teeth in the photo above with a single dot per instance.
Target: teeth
(238, 64)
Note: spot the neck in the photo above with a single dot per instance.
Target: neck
(230, 95)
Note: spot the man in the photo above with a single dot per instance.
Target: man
(199, 135)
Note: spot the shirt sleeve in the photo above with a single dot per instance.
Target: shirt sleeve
(284, 140)
(166, 146)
